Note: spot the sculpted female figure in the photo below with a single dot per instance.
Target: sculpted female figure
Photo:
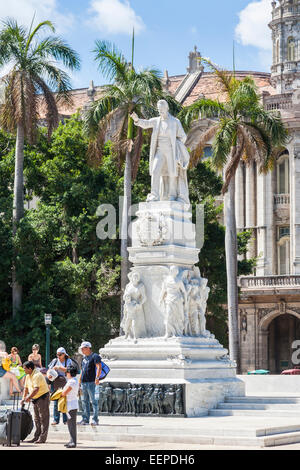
(133, 322)
(173, 298)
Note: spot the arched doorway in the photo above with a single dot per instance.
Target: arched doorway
(282, 331)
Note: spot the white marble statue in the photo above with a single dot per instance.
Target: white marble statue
(173, 300)
(133, 323)
(169, 158)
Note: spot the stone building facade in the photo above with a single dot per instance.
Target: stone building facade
(268, 205)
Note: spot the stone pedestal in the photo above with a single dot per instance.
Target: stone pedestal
(200, 364)
(154, 363)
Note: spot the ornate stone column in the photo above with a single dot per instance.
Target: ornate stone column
(295, 208)
(239, 197)
(251, 208)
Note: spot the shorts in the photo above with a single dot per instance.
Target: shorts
(2, 372)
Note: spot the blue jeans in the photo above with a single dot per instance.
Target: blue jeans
(88, 390)
(56, 413)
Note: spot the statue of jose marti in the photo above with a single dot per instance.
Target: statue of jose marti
(169, 158)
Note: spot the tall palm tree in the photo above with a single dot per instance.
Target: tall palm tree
(243, 131)
(33, 76)
(129, 91)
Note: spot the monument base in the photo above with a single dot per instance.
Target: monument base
(184, 376)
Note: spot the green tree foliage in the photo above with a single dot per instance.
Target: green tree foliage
(64, 268)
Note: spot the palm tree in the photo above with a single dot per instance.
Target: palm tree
(33, 74)
(130, 91)
(243, 131)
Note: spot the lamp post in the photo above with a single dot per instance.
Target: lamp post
(48, 320)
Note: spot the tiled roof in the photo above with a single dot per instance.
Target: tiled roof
(206, 86)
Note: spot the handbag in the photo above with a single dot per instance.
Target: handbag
(6, 363)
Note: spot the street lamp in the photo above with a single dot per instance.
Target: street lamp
(48, 320)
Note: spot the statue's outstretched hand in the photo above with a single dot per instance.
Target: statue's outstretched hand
(134, 116)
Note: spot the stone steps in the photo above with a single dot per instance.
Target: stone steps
(258, 406)
(263, 399)
(255, 413)
(201, 436)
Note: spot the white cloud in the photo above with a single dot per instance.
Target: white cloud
(24, 10)
(253, 29)
(115, 17)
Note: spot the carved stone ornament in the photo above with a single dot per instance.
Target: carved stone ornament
(151, 229)
(141, 399)
(262, 312)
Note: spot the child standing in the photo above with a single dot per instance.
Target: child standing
(70, 391)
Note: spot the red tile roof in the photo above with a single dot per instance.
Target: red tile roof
(206, 86)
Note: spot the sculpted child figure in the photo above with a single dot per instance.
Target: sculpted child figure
(133, 322)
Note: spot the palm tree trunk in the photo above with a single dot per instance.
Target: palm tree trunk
(231, 269)
(18, 213)
(124, 226)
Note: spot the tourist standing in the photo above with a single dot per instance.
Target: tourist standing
(16, 368)
(89, 378)
(35, 357)
(60, 364)
(37, 391)
(70, 391)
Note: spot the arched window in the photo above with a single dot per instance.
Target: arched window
(291, 49)
(283, 249)
(283, 179)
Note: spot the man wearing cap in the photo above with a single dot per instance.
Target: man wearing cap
(89, 378)
(60, 364)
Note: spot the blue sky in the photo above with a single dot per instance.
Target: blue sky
(166, 30)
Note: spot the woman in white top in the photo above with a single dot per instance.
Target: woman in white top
(70, 391)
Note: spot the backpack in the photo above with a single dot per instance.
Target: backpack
(104, 370)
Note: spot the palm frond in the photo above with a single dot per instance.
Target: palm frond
(203, 108)
(52, 116)
(111, 62)
(233, 162)
(205, 137)
(224, 140)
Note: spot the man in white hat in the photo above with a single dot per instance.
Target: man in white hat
(89, 379)
(60, 364)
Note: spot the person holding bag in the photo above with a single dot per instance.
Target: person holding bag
(60, 365)
(36, 390)
(70, 391)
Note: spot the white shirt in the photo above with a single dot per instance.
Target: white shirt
(72, 396)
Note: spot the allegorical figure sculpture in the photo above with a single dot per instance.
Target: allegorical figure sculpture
(133, 323)
(173, 299)
(169, 158)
